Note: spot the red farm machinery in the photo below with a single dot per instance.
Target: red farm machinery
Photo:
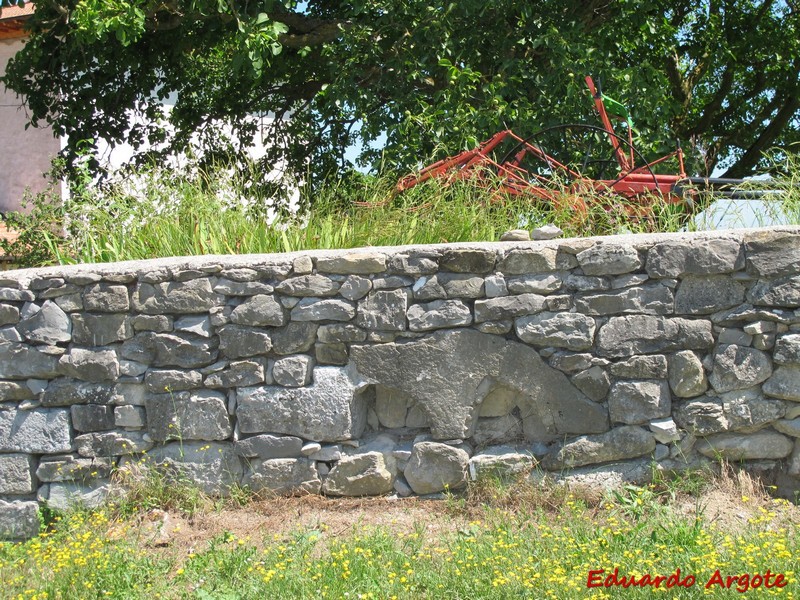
(577, 164)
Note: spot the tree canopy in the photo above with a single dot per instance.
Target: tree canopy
(720, 76)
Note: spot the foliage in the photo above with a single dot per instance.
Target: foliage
(722, 77)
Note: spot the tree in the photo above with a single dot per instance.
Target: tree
(720, 75)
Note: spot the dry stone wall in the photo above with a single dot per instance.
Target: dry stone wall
(401, 370)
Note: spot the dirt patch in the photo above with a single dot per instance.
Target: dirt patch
(732, 501)
(264, 521)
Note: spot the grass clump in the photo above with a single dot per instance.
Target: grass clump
(159, 212)
(544, 545)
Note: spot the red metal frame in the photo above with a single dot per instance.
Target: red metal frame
(634, 182)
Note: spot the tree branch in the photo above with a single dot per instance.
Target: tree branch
(750, 158)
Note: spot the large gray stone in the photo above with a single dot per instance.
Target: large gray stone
(295, 337)
(521, 261)
(438, 315)
(159, 381)
(694, 257)
(594, 382)
(644, 334)
(92, 417)
(129, 394)
(608, 477)
(497, 430)
(664, 430)
(468, 260)
(10, 334)
(444, 374)
(236, 341)
(9, 295)
(621, 443)
(18, 520)
(90, 365)
(331, 354)
(747, 410)
(71, 468)
(14, 391)
(450, 285)
(583, 283)
(100, 330)
(650, 300)
(329, 409)
(293, 371)
(508, 307)
(772, 253)
(609, 259)
(788, 427)
(16, 474)
(500, 462)
(641, 367)
(112, 443)
(19, 361)
(739, 367)
(784, 383)
(171, 350)
(543, 283)
(283, 477)
(787, 349)
(66, 392)
(38, 431)
(701, 416)
(355, 287)
(391, 407)
(703, 295)
(201, 415)
(744, 410)
(237, 374)
(103, 297)
(181, 297)
(752, 446)
(9, 315)
(195, 324)
(267, 446)
(420, 263)
(561, 330)
(355, 263)
(434, 467)
(241, 288)
(260, 311)
(73, 496)
(48, 325)
(308, 285)
(499, 402)
(315, 309)
(383, 311)
(333, 333)
(779, 292)
(687, 378)
(363, 474)
(637, 402)
(213, 466)
(157, 323)
(130, 417)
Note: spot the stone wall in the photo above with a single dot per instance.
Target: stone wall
(402, 370)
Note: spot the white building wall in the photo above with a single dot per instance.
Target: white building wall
(25, 155)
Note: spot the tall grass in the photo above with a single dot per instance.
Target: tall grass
(216, 212)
